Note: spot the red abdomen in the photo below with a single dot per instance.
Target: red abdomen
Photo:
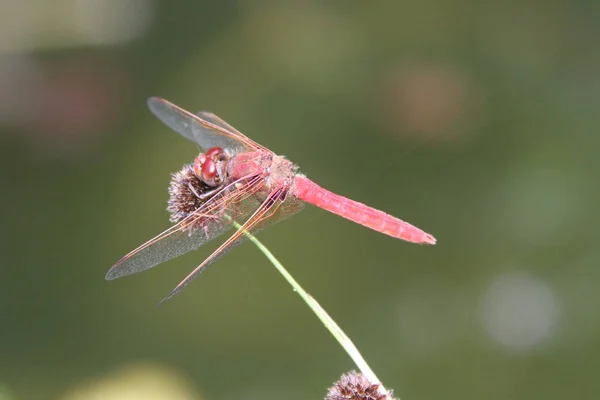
(310, 192)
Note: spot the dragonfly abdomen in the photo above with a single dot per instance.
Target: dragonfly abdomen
(310, 192)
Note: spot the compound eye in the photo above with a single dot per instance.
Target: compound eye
(209, 173)
(198, 164)
(216, 154)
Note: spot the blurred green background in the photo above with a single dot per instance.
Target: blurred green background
(477, 122)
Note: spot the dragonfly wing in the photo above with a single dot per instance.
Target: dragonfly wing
(215, 217)
(168, 245)
(210, 117)
(265, 214)
(277, 212)
(193, 127)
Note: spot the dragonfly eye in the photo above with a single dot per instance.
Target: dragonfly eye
(216, 154)
(209, 167)
(209, 172)
(198, 164)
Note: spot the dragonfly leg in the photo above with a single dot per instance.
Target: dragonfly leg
(205, 195)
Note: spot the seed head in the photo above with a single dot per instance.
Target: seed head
(354, 386)
(184, 190)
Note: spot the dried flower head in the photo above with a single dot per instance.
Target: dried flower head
(184, 192)
(354, 386)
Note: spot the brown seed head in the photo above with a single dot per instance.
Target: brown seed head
(354, 386)
(184, 190)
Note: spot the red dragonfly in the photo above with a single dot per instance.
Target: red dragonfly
(237, 179)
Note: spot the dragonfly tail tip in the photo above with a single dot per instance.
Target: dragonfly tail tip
(429, 239)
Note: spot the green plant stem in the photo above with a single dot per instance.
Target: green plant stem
(329, 323)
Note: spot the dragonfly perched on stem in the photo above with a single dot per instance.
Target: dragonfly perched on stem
(237, 180)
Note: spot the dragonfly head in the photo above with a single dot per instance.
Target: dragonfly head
(211, 167)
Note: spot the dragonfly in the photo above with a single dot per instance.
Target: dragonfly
(237, 182)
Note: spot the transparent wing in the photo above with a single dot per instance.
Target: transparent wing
(278, 210)
(273, 209)
(210, 117)
(206, 133)
(236, 201)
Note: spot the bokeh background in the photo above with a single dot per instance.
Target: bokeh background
(477, 122)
